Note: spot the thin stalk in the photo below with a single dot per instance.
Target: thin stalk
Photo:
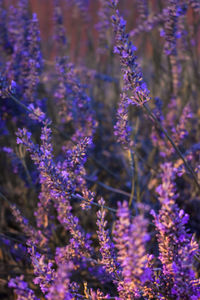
(145, 162)
(109, 188)
(132, 179)
(138, 198)
(79, 197)
(23, 161)
(187, 166)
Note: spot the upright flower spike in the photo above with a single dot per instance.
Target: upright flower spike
(106, 246)
(12, 25)
(180, 132)
(103, 27)
(130, 237)
(43, 269)
(34, 236)
(26, 63)
(170, 27)
(174, 11)
(62, 92)
(176, 247)
(35, 59)
(135, 91)
(20, 55)
(34, 42)
(45, 203)
(122, 129)
(16, 39)
(72, 96)
(132, 75)
(4, 42)
(59, 29)
(58, 183)
(142, 7)
(74, 164)
(83, 6)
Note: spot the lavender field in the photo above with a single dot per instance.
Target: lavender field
(99, 149)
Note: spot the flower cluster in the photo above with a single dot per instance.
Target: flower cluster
(132, 75)
(81, 216)
(177, 248)
(130, 238)
(134, 90)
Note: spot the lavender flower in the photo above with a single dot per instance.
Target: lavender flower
(150, 23)
(103, 27)
(174, 11)
(177, 248)
(60, 289)
(35, 237)
(130, 238)
(132, 76)
(180, 132)
(26, 63)
(74, 252)
(12, 25)
(18, 67)
(58, 183)
(142, 7)
(83, 6)
(122, 129)
(195, 5)
(60, 34)
(171, 27)
(21, 289)
(94, 295)
(61, 93)
(43, 270)
(4, 43)
(35, 59)
(73, 101)
(106, 246)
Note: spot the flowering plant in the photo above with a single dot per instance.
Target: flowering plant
(100, 173)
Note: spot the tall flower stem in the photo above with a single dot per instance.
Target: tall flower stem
(187, 166)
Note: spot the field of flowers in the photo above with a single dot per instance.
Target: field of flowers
(99, 149)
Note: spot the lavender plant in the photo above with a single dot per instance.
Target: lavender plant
(99, 183)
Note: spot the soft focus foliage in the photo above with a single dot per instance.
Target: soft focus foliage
(100, 152)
